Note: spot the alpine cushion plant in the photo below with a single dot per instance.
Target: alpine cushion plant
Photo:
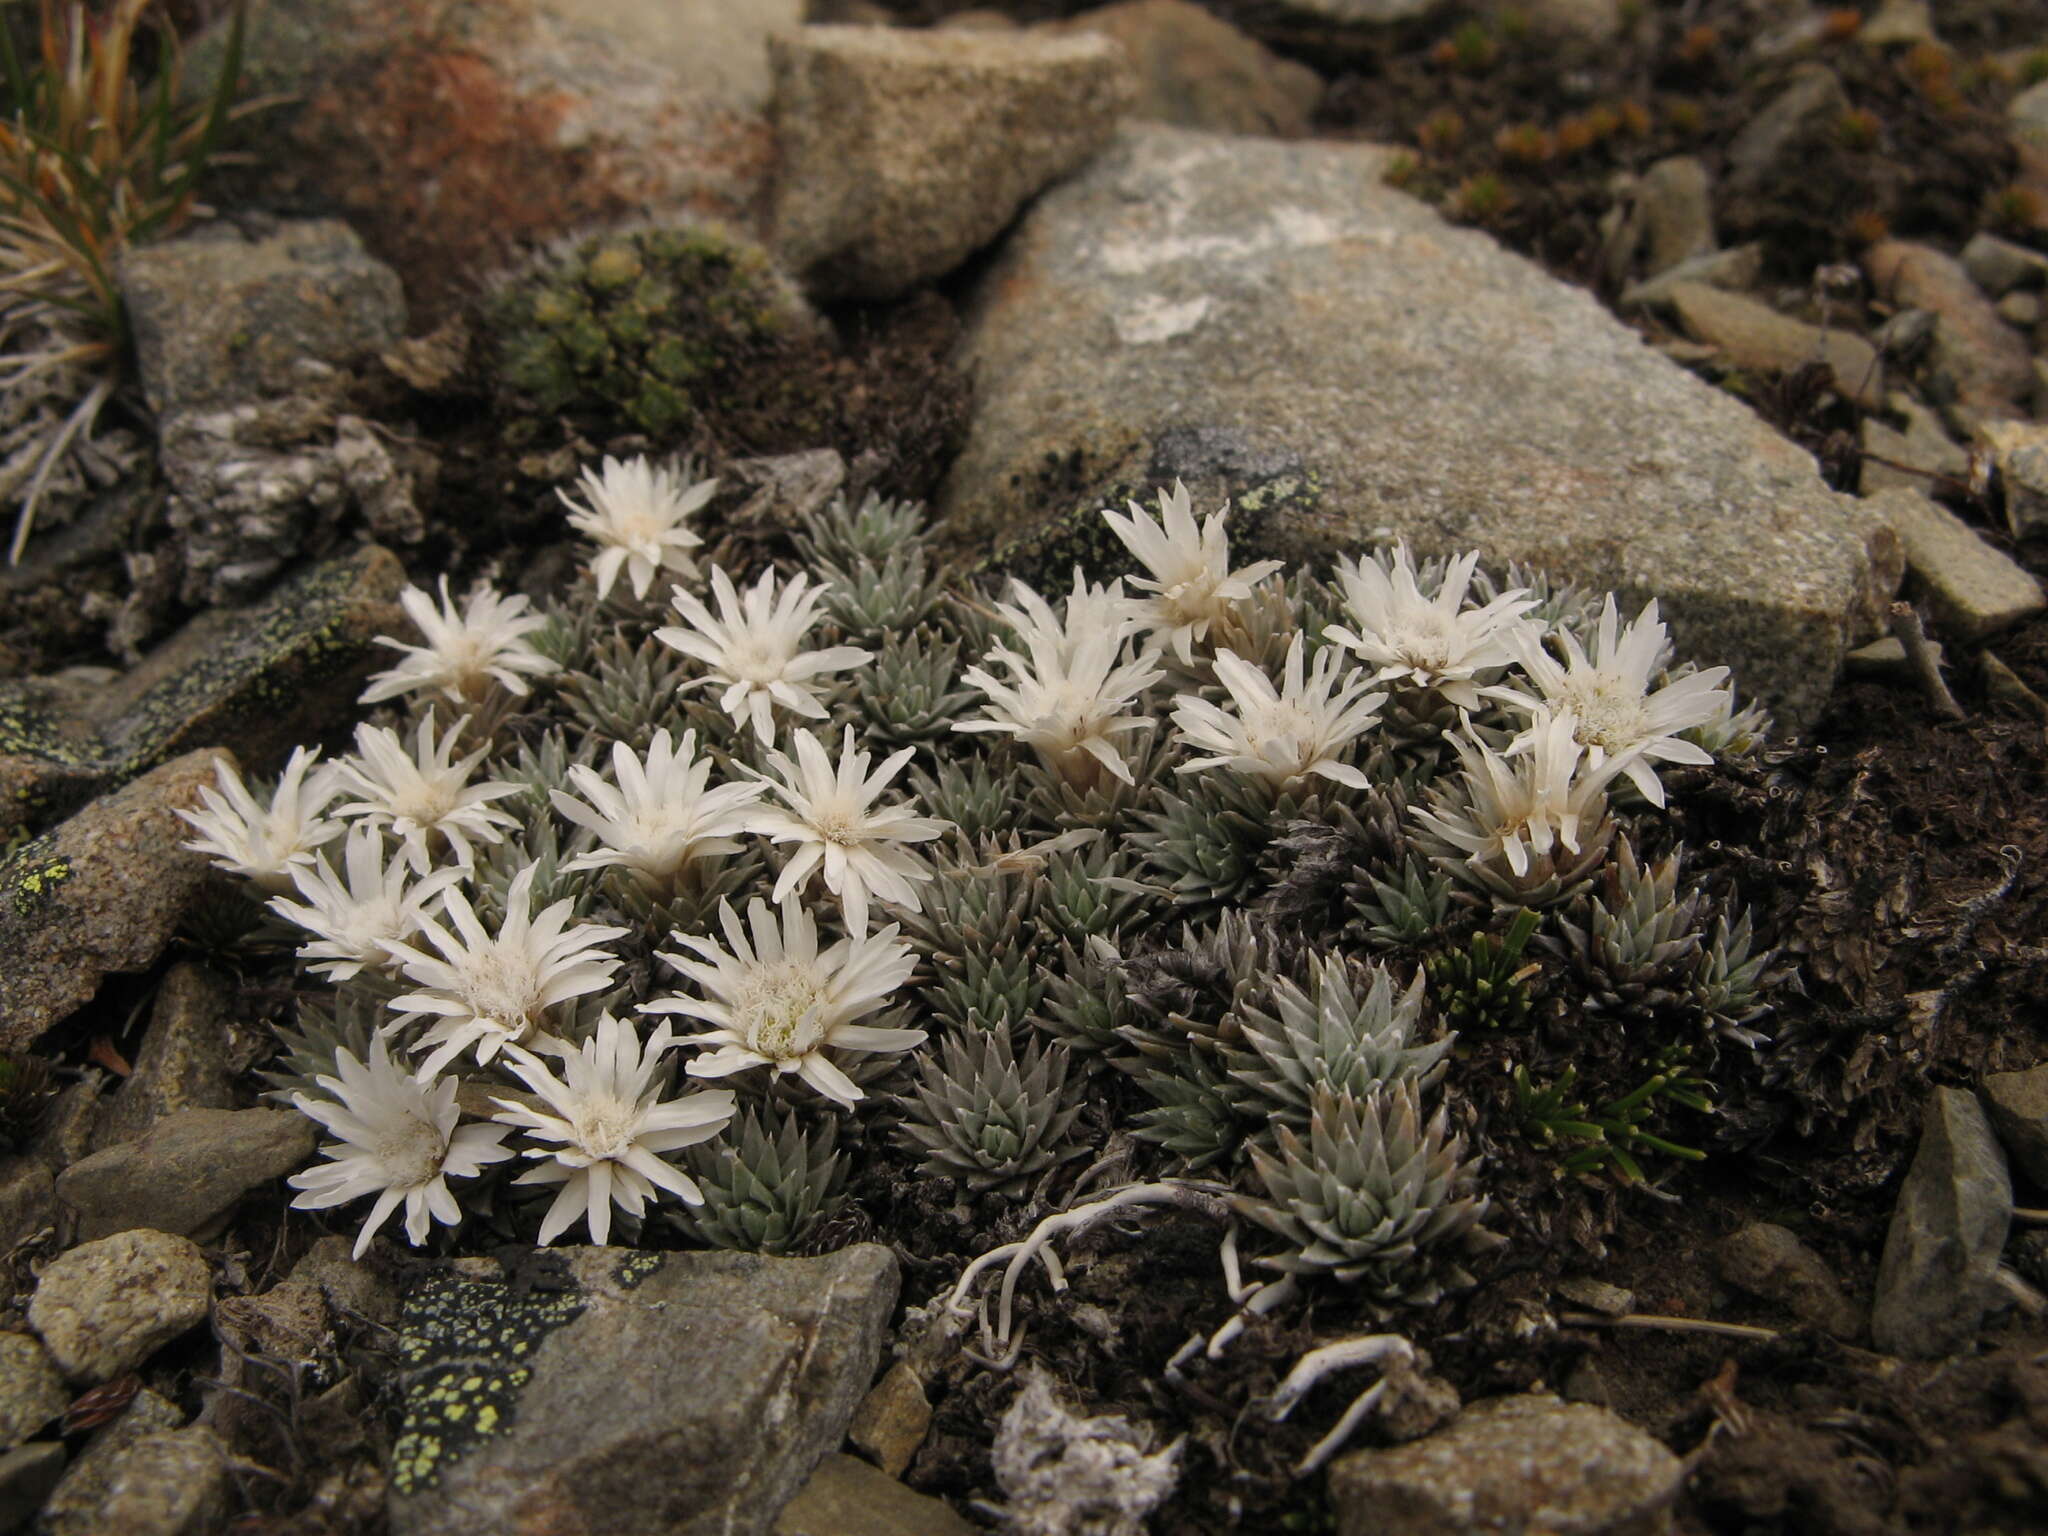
(1106, 880)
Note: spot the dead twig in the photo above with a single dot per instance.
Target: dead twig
(1912, 634)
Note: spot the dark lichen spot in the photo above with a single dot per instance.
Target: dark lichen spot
(635, 1268)
(33, 873)
(466, 1346)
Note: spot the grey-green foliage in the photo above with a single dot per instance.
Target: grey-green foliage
(976, 903)
(985, 989)
(1194, 1111)
(979, 1113)
(1729, 977)
(1640, 935)
(907, 694)
(1328, 1037)
(1083, 1004)
(1373, 1195)
(767, 1182)
(1406, 913)
(546, 847)
(539, 767)
(626, 691)
(977, 793)
(345, 1019)
(842, 532)
(874, 598)
(1087, 891)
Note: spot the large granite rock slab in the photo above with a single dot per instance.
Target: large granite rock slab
(1269, 322)
(629, 1393)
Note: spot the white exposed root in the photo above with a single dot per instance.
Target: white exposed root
(1391, 1352)
(998, 1344)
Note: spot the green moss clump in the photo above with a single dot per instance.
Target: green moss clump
(657, 327)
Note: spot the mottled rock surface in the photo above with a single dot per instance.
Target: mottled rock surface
(77, 1506)
(220, 317)
(101, 893)
(1947, 1231)
(890, 1423)
(454, 132)
(32, 1392)
(1268, 322)
(2017, 1103)
(904, 151)
(105, 1307)
(186, 1172)
(1194, 69)
(1770, 1261)
(1753, 335)
(1983, 363)
(188, 1058)
(1974, 589)
(847, 1497)
(1525, 1463)
(539, 1410)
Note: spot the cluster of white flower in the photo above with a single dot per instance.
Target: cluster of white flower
(594, 1103)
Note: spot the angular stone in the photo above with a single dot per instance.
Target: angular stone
(1770, 1261)
(538, 1410)
(1766, 149)
(1734, 269)
(32, 1392)
(1753, 335)
(185, 1061)
(1974, 589)
(105, 1307)
(1999, 266)
(890, 1423)
(186, 1172)
(847, 1497)
(2019, 452)
(455, 133)
(2017, 1103)
(28, 1199)
(221, 318)
(1947, 1231)
(1923, 446)
(1196, 70)
(905, 151)
(1677, 201)
(101, 893)
(1983, 360)
(171, 1483)
(74, 1509)
(1898, 23)
(1271, 323)
(27, 1474)
(1524, 1463)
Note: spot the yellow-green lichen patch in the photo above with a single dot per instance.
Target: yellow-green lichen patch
(31, 875)
(465, 1345)
(634, 1268)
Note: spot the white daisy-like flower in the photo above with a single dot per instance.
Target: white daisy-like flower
(356, 920)
(753, 648)
(661, 815)
(1089, 610)
(1517, 809)
(607, 1126)
(1282, 735)
(424, 798)
(490, 990)
(832, 818)
(398, 1140)
(779, 1003)
(465, 652)
(639, 517)
(1070, 697)
(266, 843)
(1610, 696)
(1192, 583)
(1426, 642)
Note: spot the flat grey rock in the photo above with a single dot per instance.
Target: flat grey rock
(220, 317)
(77, 1507)
(1270, 323)
(103, 892)
(1947, 1231)
(1770, 1261)
(640, 1394)
(1974, 589)
(185, 1061)
(105, 1307)
(1527, 1463)
(186, 1172)
(32, 1391)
